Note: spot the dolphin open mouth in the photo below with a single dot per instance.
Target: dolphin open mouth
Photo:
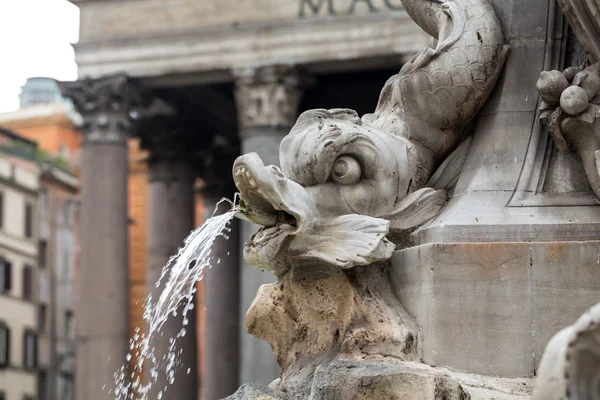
(269, 199)
(261, 202)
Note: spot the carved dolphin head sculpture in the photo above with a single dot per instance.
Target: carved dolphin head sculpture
(330, 205)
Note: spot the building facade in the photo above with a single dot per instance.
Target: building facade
(202, 82)
(50, 120)
(58, 247)
(19, 185)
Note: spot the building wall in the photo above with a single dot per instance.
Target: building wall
(51, 126)
(57, 213)
(18, 183)
(138, 215)
(152, 17)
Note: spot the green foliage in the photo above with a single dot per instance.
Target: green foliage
(31, 152)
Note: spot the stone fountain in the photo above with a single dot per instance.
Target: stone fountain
(363, 307)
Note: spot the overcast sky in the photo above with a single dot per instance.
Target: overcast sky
(35, 40)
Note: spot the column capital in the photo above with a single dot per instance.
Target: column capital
(106, 105)
(267, 96)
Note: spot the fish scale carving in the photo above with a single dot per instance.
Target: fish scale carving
(439, 90)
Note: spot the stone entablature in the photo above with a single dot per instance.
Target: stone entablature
(210, 54)
(109, 20)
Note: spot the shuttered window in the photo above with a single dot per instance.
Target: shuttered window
(5, 276)
(4, 345)
(1, 210)
(27, 282)
(29, 350)
(42, 253)
(28, 220)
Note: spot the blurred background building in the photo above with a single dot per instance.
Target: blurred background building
(169, 94)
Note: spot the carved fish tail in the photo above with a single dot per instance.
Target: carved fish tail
(439, 90)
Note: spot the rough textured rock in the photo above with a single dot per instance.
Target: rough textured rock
(251, 391)
(347, 380)
(308, 321)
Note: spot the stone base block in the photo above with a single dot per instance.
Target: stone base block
(491, 308)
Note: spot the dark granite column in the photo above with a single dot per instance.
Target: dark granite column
(102, 303)
(267, 101)
(171, 176)
(222, 281)
(222, 302)
(170, 220)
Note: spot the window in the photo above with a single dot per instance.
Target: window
(1, 210)
(29, 350)
(27, 282)
(69, 331)
(28, 397)
(28, 220)
(5, 276)
(42, 385)
(42, 202)
(67, 265)
(68, 213)
(66, 389)
(42, 252)
(42, 318)
(2, 395)
(4, 345)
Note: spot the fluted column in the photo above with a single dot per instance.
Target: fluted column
(267, 103)
(102, 303)
(171, 178)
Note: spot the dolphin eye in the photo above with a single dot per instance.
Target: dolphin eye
(346, 170)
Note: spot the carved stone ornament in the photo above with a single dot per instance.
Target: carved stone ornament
(106, 105)
(571, 98)
(345, 181)
(584, 18)
(267, 96)
(571, 108)
(570, 366)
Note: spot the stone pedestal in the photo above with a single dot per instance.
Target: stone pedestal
(170, 221)
(513, 256)
(267, 101)
(102, 326)
(491, 308)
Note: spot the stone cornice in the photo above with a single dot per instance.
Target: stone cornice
(211, 54)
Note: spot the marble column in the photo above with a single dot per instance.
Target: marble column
(267, 101)
(170, 220)
(102, 302)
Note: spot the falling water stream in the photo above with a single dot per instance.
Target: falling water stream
(179, 275)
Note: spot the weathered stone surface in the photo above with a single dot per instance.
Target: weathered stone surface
(469, 299)
(497, 302)
(566, 282)
(350, 380)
